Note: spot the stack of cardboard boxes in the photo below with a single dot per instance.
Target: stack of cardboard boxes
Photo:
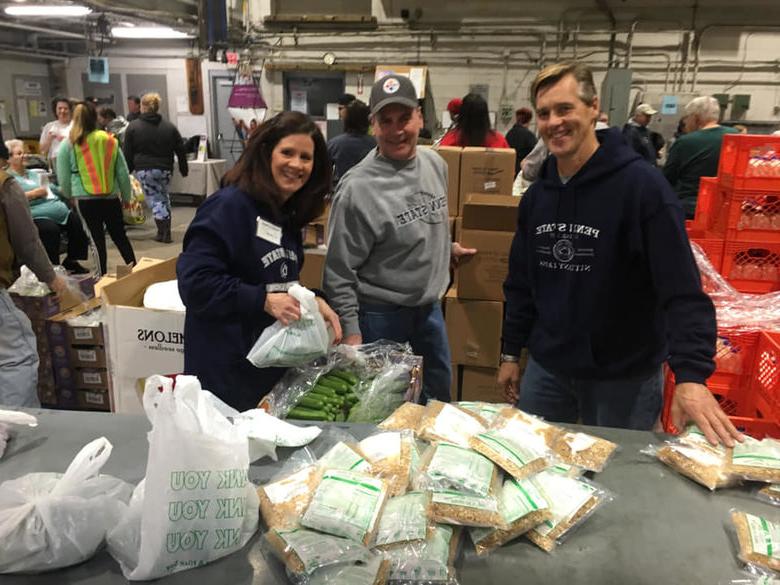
(39, 310)
(480, 192)
(79, 359)
(315, 239)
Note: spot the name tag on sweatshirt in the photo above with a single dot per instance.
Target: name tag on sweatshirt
(269, 232)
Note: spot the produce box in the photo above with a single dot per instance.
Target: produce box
(485, 170)
(451, 155)
(474, 331)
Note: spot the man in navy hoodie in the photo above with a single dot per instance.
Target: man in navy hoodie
(602, 286)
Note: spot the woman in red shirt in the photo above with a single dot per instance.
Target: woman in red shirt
(473, 128)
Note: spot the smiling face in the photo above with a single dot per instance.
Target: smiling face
(396, 128)
(17, 159)
(565, 122)
(292, 161)
(63, 112)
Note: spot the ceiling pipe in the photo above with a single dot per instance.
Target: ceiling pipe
(603, 5)
(630, 42)
(40, 29)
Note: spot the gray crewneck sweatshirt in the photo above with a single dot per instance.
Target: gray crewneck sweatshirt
(388, 235)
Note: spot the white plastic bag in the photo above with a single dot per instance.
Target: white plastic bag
(196, 504)
(52, 520)
(297, 343)
(164, 296)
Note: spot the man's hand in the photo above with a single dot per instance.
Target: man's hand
(330, 318)
(508, 379)
(282, 307)
(354, 339)
(459, 252)
(59, 285)
(694, 402)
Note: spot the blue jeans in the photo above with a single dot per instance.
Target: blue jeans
(629, 403)
(423, 328)
(18, 357)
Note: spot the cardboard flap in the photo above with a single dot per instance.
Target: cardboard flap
(79, 309)
(490, 212)
(129, 291)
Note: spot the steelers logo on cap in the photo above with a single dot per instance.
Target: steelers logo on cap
(391, 85)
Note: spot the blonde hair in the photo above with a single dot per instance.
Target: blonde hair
(150, 102)
(14, 143)
(552, 74)
(84, 122)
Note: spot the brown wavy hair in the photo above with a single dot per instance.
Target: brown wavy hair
(252, 173)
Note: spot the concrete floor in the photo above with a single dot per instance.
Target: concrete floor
(142, 236)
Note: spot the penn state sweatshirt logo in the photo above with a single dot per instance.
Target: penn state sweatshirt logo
(427, 208)
(566, 246)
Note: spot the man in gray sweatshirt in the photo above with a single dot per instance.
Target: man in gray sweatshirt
(389, 246)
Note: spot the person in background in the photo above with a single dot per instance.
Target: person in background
(696, 154)
(348, 149)
(638, 136)
(91, 170)
(602, 286)
(741, 128)
(51, 215)
(453, 107)
(19, 244)
(150, 143)
(520, 137)
(133, 108)
(242, 252)
(343, 102)
(54, 132)
(389, 244)
(473, 126)
(602, 122)
(111, 123)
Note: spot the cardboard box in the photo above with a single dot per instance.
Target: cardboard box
(92, 378)
(480, 384)
(93, 356)
(451, 155)
(93, 400)
(474, 331)
(41, 308)
(489, 226)
(313, 267)
(314, 234)
(139, 265)
(140, 342)
(458, 229)
(486, 170)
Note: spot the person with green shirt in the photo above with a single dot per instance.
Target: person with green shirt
(695, 155)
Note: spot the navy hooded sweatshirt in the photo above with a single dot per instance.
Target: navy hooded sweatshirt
(602, 283)
(224, 272)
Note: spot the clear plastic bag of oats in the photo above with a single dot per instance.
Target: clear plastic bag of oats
(522, 507)
(389, 454)
(757, 539)
(691, 455)
(284, 499)
(445, 466)
(405, 417)
(466, 509)
(769, 494)
(404, 520)
(449, 424)
(430, 562)
(572, 501)
(488, 411)
(305, 551)
(375, 571)
(756, 460)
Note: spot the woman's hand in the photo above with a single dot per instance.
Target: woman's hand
(282, 307)
(330, 318)
(37, 193)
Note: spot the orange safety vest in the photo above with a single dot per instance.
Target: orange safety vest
(96, 160)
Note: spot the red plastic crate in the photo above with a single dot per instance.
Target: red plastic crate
(712, 246)
(749, 161)
(752, 266)
(765, 379)
(753, 216)
(750, 415)
(711, 208)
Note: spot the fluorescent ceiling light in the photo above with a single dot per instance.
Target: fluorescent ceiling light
(147, 32)
(50, 10)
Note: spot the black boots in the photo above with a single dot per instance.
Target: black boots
(163, 231)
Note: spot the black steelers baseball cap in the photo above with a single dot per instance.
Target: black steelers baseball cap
(392, 89)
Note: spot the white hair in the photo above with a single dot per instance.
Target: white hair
(13, 143)
(705, 108)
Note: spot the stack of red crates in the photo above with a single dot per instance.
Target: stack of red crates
(737, 224)
(737, 220)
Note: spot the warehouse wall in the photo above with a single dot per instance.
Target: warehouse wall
(9, 68)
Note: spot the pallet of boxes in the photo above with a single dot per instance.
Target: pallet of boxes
(40, 308)
(480, 192)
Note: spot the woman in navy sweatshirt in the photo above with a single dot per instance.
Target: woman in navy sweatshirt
(242, 252)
